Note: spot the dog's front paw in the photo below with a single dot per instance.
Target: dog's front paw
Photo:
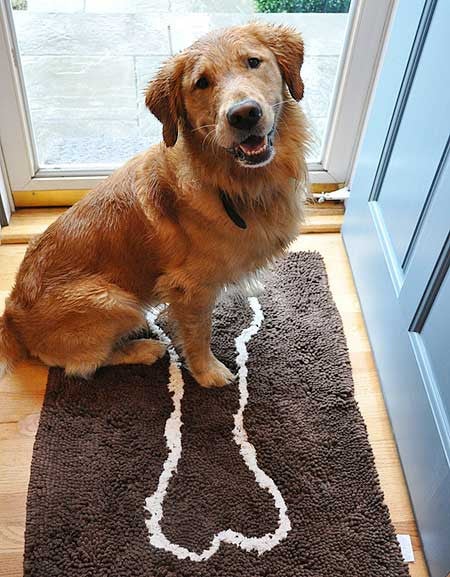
(216, 374)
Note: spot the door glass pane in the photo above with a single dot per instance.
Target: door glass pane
(86, 64)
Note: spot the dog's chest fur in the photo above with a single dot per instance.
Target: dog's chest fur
(216, 252)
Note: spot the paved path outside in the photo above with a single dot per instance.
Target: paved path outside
(86, 64)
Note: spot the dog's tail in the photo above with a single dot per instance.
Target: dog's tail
(11, 351)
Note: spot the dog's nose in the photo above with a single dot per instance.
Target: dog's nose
(245, 114)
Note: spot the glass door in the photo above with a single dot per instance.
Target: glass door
(80, 68)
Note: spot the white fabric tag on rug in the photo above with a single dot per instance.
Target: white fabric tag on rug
(406, 547)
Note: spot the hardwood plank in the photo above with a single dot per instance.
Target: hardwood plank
(328, 207)
(15, 455)
(11, 564)
(13, 509)
(22, 392)
(12, 537)
(315, 223)
(27, 223)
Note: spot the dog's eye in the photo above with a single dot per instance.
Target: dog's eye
(202, 83)
(254, 62)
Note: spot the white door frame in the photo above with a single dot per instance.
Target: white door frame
(366, 37)
(6, 199)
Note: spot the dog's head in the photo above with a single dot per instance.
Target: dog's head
(227, 90)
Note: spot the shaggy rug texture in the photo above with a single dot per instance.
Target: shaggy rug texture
(139, 472)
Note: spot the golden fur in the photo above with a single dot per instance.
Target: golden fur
(156, 230)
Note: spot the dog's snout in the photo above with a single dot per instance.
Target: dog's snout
(245, 114)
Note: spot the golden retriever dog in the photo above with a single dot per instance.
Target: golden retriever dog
(219, 199)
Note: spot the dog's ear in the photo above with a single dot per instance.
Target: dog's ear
(163, 97)
(287, 45)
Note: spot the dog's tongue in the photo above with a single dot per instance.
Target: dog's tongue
(253, 144)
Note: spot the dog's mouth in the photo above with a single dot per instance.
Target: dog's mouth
(255, 150)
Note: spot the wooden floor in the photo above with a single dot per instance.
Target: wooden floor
(21, 397)
(27, 222)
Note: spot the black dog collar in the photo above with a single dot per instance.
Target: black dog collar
(231, 211)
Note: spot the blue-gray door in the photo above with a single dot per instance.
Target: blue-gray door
(396, 232)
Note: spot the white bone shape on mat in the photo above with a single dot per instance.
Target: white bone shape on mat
(154, 503)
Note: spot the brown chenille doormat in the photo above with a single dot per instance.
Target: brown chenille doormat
(141, 473)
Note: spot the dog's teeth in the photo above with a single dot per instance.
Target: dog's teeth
(243, 153)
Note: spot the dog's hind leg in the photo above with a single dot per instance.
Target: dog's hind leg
(140, 351)
(82, 325)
